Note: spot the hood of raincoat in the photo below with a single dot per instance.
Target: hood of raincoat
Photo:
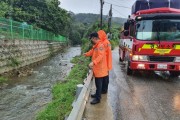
(102, 35)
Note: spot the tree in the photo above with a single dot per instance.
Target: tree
(4, 8)
(75, 37)
(45, 14)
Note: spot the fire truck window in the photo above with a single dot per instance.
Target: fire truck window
(144, 30)
(170, 30)
(164, 30)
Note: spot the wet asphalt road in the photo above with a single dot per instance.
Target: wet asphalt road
(143, 95)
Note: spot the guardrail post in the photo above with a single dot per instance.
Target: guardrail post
(78, 90)
(79, 106)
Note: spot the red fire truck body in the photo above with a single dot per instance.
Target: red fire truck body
(151, 41)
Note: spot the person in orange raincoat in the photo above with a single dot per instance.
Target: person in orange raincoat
(98, 65)
(103, 37)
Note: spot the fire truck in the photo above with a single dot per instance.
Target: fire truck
(150, 39)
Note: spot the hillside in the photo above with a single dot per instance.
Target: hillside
(89, 18)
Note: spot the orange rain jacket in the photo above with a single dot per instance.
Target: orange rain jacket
(99, 59)
(107, 44)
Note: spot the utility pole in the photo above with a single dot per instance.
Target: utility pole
(109, 19)
(101, 2)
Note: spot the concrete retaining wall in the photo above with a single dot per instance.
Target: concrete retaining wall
(18, 53)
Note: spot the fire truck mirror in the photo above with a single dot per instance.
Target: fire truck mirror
(126, 26)
(126, 32)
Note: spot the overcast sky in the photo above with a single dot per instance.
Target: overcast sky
(121, 8)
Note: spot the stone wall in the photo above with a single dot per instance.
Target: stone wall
(15, 54)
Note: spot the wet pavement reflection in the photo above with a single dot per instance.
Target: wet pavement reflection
(143, 95)
(25, 96)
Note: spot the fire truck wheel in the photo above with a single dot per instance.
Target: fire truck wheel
(174, 73)
(129, 71)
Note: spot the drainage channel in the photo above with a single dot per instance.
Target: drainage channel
(23, 97)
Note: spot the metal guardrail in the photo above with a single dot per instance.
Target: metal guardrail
(79, 106)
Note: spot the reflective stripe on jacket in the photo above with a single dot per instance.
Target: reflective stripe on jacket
(99, 59)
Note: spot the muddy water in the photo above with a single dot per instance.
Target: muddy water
(25, 96)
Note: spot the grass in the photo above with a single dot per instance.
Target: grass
(114, 43)
(64, 92)
(2, 80)
(86, 45)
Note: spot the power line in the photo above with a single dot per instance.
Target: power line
(119, 1)
(118, 5)
(119, 12)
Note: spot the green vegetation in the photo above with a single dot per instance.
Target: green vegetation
(114, 40)
(86, 45)
(90, 23)
(64, 92)
(2, 79)
(41, 14)
(16, 30)
(47, 15)
(89, 18)
(114, 43)
(4, 8)
(14, 62)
